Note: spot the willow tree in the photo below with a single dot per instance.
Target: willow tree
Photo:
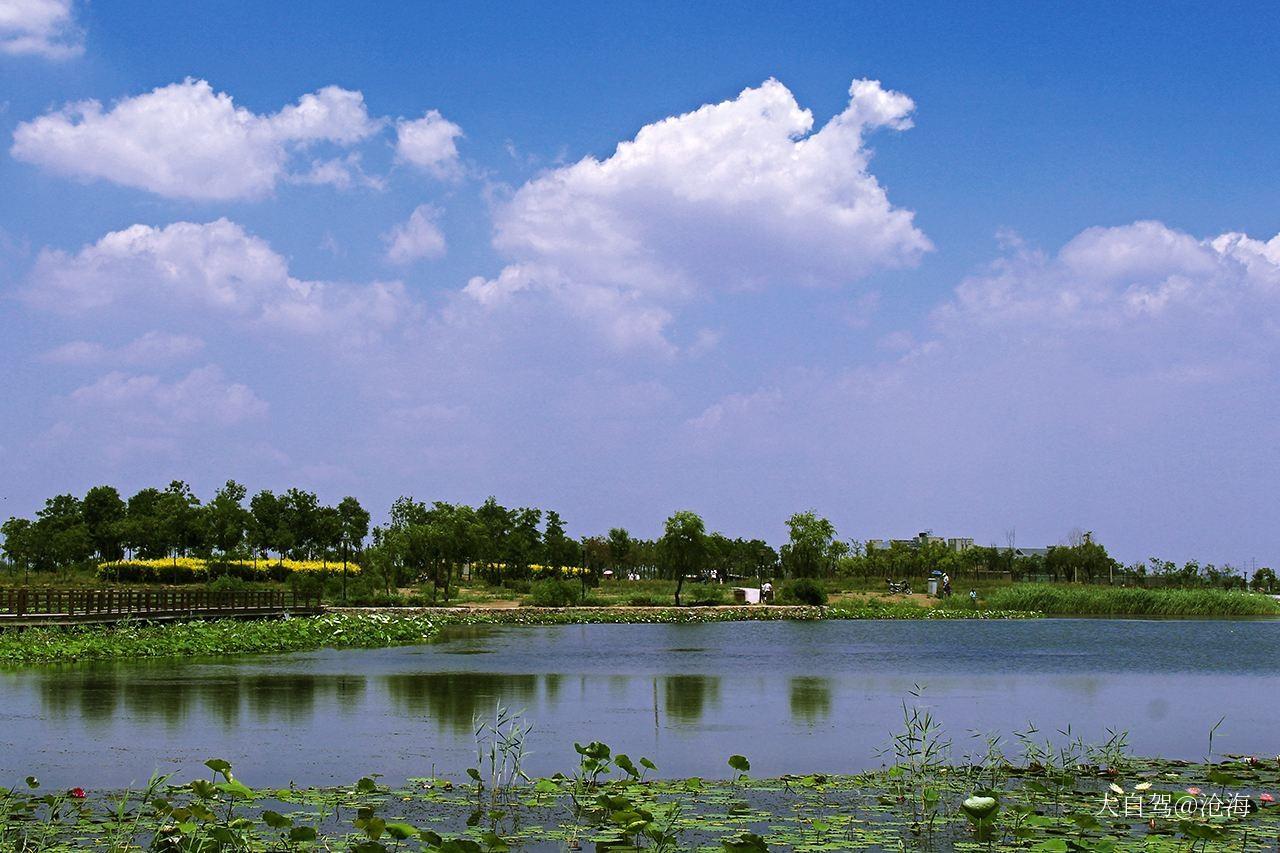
(684, 546)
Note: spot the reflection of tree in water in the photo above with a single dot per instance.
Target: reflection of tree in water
(551, 686)
(810, 699)
(454, 699)
(97, 694)
(686, 697)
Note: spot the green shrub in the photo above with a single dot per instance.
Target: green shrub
(803, 591)
(552, 592)
(705, 595)
(227, 583)
(645, 600)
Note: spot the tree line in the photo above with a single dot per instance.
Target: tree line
(441, 543)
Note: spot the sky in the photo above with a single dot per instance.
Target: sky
(990, 271)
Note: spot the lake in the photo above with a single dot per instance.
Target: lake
(792, 696)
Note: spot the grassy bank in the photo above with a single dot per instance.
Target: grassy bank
(1059, 600)
(368, 628)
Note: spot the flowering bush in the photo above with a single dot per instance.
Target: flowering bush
(198, 570)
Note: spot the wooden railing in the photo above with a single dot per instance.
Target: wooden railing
(107, 605)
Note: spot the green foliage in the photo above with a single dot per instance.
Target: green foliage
(803, 591)
(553, 592)
(684, 547)
(1085, 600)
(921, 802)
(706, 595)
(1264, 580)
(813, 550)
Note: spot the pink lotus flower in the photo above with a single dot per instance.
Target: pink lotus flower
(1267, 798)
(1195, 792)
(76, 793)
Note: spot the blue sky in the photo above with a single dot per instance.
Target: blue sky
(398, 250)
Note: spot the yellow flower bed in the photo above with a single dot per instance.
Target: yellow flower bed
(169, 569)
(537, 570)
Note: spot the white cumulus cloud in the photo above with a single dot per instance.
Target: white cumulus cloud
(430, 143)
(187, 141)
(44, 28)
(1132, 277)
(736, 195)
(418, 237)
(216, 268)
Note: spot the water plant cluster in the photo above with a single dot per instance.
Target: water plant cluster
(367, 628)
(1055, 795)
(212, 638)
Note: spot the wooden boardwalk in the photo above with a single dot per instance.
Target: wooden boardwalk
(23, 607)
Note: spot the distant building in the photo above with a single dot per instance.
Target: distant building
(958, 544)
(926, 537)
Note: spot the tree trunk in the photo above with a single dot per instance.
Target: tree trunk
(679, 586)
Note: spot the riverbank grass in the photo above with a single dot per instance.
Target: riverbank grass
(1082, 600)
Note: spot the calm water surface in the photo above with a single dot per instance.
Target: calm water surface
(792, 696)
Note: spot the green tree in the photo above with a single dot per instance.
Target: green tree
(17, 534)
(143, 528)
(179, 519)
(596, 557)
(354, 522)
(328, 532)
(812, 550)
(621, 548)
(265, 523)
(226, 519)
(524, 542)
(1264, 580)
(496, 523)
(684, 547)
(300, 517)
(104, 517)
(1085, 560)
(558, 549)
(59, 537)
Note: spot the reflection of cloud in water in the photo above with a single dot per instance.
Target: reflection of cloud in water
(455, 699)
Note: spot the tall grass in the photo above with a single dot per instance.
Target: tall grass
(1121, 601)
